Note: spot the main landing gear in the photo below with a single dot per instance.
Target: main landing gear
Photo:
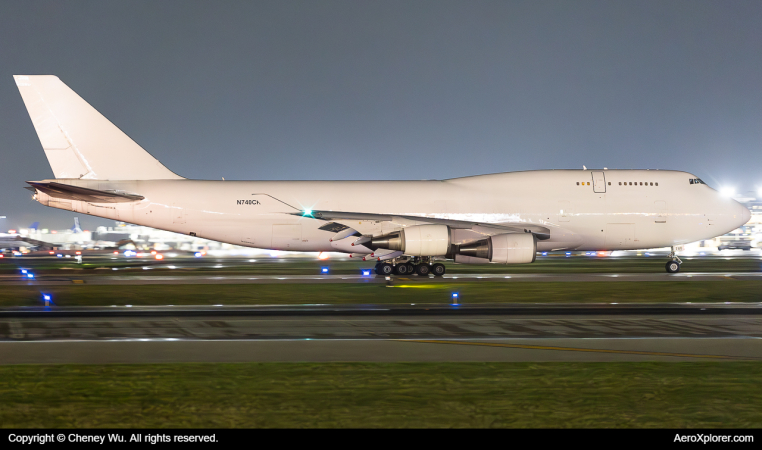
(673, 265)
(422, 268)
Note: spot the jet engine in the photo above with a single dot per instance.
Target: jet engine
(511, 248)
(418, 240)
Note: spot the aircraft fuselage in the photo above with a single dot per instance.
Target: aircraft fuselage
(584, 209)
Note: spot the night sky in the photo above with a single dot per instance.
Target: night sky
(265, 90)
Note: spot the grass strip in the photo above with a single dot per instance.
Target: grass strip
(621, 395)
(346, 293)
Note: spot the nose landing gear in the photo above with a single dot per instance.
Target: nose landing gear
(673, 265)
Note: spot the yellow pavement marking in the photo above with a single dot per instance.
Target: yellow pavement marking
(575, 349)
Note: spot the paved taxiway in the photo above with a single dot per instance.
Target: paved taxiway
(102, 279)
(384, 334)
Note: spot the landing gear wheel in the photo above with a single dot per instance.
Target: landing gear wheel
(384, 269)
(673, 267)
(422, 269)
(438, 269)
(401, 269)
(410, 268)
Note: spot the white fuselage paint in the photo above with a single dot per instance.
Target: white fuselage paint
(259, 213)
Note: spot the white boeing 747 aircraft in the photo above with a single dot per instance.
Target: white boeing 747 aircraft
(402, 225)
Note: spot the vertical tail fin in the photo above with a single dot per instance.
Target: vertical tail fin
(78, 141)
(76, 228)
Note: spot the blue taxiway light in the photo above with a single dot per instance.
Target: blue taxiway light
(23, 270)
(46, 297)
(366, 273)
(30, 275)
(324, 269)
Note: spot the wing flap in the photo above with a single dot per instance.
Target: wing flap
(540, 231)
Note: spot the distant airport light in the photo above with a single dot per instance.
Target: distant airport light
(323, 256)
(197, 254)
(544, 253)
(59, 256)
(601, 253)
(116, 252)
(153, 252)
(11, 231)
(46, 297)
(77, 253)
(455, 298)
(23, 270)
(365, 272)
(324, 269)
(30, 275)
(159, 256)
(568, 254)
(52, 252)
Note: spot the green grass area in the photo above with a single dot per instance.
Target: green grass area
(403, 292)
(275, 266)
(518, 395)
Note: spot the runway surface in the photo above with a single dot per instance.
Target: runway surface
(675, 332)
(103, 279)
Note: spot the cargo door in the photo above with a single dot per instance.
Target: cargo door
(620, 236)
(599, 182)
(564, 211)
(286, 237)
(661, 211)
(178, 214)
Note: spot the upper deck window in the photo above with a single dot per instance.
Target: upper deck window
(695, 181)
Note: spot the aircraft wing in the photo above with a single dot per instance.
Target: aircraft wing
(60, 190)
(347, 219)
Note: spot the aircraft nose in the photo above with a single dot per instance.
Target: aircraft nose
(745, 214)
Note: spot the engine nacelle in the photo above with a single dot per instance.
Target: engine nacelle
(418, 240)
(511, 248)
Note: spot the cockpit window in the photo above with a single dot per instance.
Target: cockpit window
(695, 181)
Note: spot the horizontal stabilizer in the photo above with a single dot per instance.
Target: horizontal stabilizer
(65, 191)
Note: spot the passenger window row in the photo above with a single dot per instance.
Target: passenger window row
(695, 181)
(630, 183)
